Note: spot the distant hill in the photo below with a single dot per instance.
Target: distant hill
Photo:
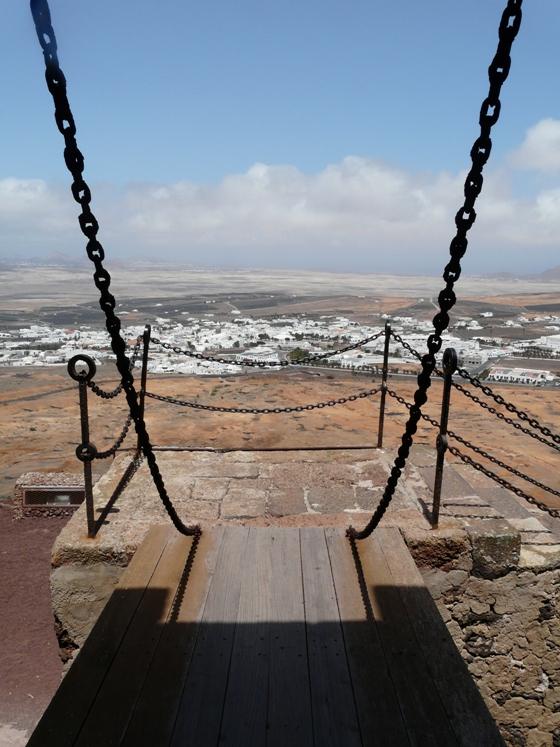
(549, 275)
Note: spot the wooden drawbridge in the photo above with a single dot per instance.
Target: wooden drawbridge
(268, 636)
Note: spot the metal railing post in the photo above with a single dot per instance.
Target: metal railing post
(383, 385)
(144, 374)
(86, 451)
(449, 368)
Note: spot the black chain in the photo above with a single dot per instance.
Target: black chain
(510, 407)
(504, 418)
(56, 83)
(503, 465)
(264, 364)
(504, 483)
(464, 219)
(407, 346)
(496, 397)
(264, 410)
(118, 443)
(103, 393)
(481, 452)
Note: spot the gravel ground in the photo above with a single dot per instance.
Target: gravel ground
(30, 667)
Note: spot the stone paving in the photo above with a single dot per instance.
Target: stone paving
(301, 487)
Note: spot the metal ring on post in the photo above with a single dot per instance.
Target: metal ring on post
(86, 452)
(449, 361)
(88, 374)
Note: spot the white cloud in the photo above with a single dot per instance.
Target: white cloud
(356, 214)
(540, 151)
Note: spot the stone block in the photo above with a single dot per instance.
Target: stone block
(205, 510)
(79, 593)
(210, 489)
(540, 557)
(331, 500)
(453, 485)
(243, 503)
(215, 468)
(286, 502)
(495, 547)
(466, 512)
(529, 524)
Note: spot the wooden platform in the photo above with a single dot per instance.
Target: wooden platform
(268, 637)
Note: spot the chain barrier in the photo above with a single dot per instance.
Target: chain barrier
(504, 483)
(478, 450)
(510, 407)
(501, 464)
(504, 418)
(104, 394)
(264, 410)
(118, 443)
(56, 83)
(264, 364)
(496, 397)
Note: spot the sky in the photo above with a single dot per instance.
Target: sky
(316, 134)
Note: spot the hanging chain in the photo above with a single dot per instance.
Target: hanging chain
(464, 219)
(264, 364)
(56, 83)
(510, 407)
(481, 452)
(264, 410)
(503, 417)
(104, 394)
(118, 443)
(504, 483)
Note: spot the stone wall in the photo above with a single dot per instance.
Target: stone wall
(505, 620)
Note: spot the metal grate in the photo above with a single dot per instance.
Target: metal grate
(53, 496)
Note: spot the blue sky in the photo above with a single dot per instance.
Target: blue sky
(177, 101)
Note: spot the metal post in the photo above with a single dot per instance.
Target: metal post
(383, 385)
(86, 451)
(144, 375)
(449, 368)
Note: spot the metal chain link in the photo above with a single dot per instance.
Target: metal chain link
(118, 443)
(103, 393)
(56, 83)
(477, 449)
(510, 407)
(496, 397)
(504, 418)
(464, 219)
(264, 410)
(504, 483)
(264, 364)
(503, 465)
(407, 346)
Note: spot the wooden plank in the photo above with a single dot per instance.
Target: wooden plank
(109, 715)
(153, 717)
(379, 712)
(335, 721)
(289, 700)
(424, 716)
(246, 700)
(61, 722)
(200, 709)
(467, 712)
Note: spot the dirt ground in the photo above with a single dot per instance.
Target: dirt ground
(40, 407)
(30, 667)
